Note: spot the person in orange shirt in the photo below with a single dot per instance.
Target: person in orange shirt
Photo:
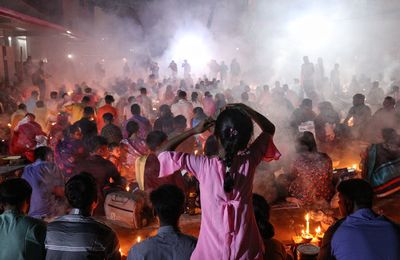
(107, 108)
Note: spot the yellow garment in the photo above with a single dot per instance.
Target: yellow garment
(76, 112)
(140, 164)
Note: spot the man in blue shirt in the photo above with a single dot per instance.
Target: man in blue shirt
(169, 243)
(47, 185)
(362, 234)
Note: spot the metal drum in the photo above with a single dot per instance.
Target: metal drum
(307, 252)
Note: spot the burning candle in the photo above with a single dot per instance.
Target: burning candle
(138, 239)
(307, 223)
(318, 233)
(127, 188)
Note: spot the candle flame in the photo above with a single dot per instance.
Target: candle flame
(350, 123)
(196, 152)
(9, 125)
(138, 239)
(307, 217)
(318, 230)
(127, 188)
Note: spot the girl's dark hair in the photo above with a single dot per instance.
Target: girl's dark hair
(306, 142)
(261, 212)
(234, 129)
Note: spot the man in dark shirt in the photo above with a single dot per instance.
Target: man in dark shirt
(102, 170)
(358, 116)
(87, 124)
(302, 114)
(111, 132)
(168, 202)
(77, 235)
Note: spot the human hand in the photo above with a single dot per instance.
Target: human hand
(204, 125)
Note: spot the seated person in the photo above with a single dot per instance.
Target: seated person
(311, 173)
(148, 166)
(21, 237)
(274, 249)
(102, 170)
(361, 234)
(47, 185)
(168, 202)
(110, 131)
(132, 148)
(381, 167)
(77, 235)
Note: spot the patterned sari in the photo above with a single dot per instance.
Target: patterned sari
(383, 169)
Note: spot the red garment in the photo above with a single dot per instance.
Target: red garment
(23, 141)
(107, 108)
(312, 178)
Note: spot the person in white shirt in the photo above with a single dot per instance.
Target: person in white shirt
(183, 107)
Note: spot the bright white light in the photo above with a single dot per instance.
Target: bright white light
(311, 32)
(193, 48)
(69, 32)
(69, 56)
(124, 59)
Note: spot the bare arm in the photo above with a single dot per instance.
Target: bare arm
(171, 145)
(265, 125)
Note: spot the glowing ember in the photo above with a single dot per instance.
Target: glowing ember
(350, 123)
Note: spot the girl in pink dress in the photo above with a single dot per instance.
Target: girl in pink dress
(228, 227)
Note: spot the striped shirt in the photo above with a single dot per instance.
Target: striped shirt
(75, 236)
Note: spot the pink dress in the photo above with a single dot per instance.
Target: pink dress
(228, 226)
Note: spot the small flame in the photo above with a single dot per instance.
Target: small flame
(307, 217)
(138, 239)
(350, 123)
(53, 123)
(318, 230)
(196, 152)
(9, 125)
(127, 188)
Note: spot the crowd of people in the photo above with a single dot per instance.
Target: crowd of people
(169, 137)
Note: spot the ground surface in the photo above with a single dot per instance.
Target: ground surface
(287, 223)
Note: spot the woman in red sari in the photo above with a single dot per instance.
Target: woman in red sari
(24, 139)
(312, 174)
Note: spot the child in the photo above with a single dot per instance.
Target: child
(228, 227)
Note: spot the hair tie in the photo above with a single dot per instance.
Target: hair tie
(233, 132)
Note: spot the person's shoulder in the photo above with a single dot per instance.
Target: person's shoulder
(187, 239)
(33, 222)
